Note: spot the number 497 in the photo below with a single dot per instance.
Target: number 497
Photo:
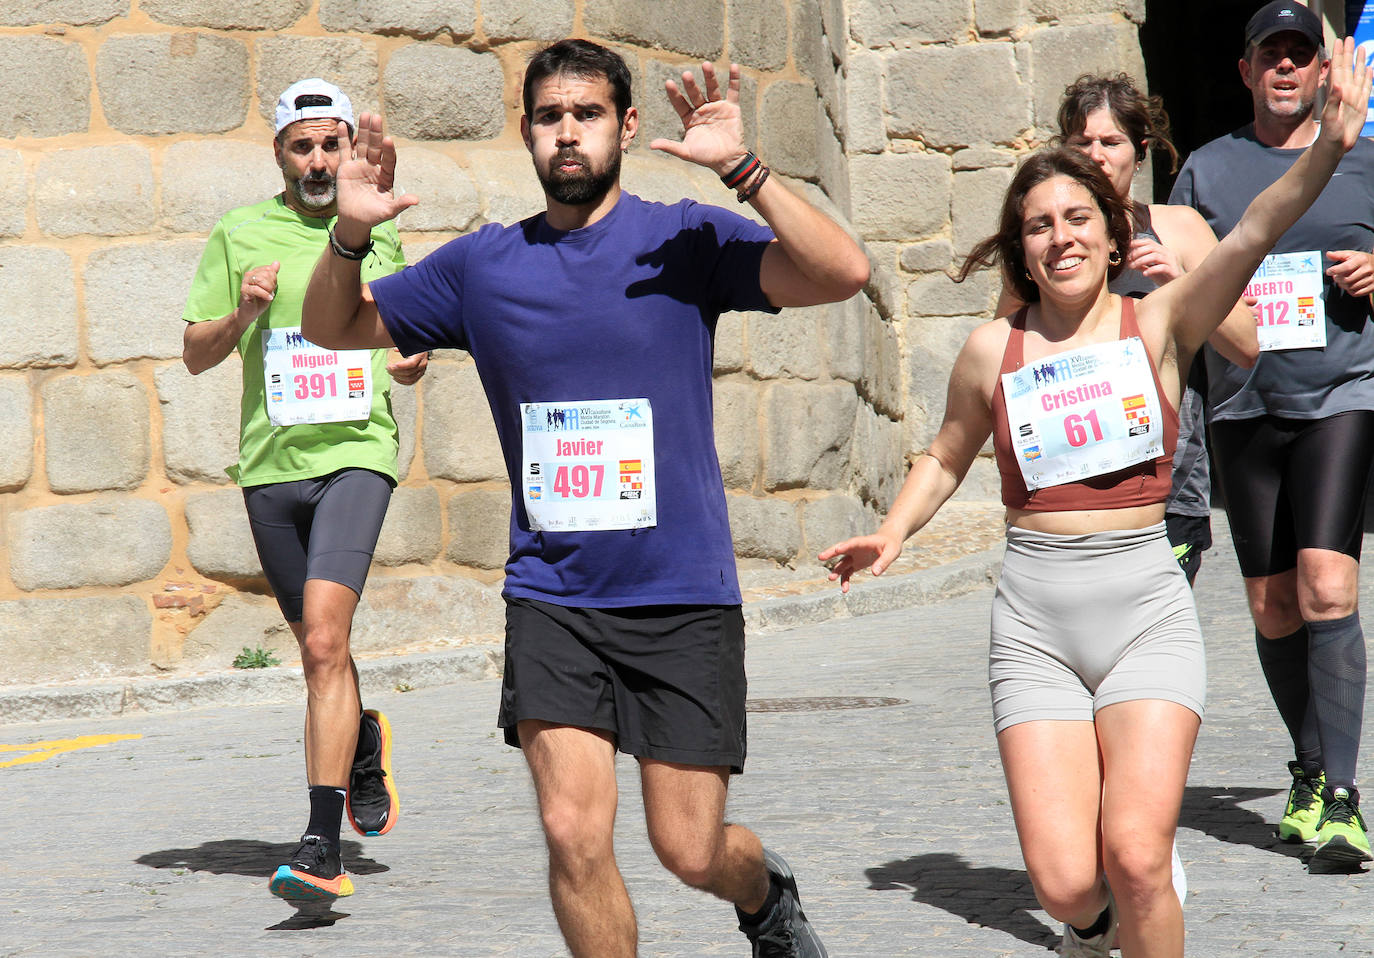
(579, 482)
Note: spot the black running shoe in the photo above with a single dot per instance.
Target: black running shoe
(785, 932)
(372, 800)
(313, 874)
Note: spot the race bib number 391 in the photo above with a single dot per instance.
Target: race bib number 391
(307, 383)
(588, 465)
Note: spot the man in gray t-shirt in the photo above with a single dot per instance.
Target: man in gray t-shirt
(1293, 438)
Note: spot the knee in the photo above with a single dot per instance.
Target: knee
(577, 835)
(324, 650)
(693, 862)
(1324, 599)
(1139, 872)
(1069, 897)
(1276, 613)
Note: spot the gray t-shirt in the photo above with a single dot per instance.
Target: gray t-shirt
(1219, 181)
(1190, 494)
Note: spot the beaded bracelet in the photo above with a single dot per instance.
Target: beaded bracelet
(356, 255)
(748, 193)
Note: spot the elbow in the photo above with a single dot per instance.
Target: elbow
(1248, 356)
(850, 276)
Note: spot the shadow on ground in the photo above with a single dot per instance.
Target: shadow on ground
(1219, 812)
(249, 857)
(999, 898)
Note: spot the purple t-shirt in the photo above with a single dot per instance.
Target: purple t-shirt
(625, 308)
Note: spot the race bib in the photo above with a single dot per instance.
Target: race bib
(1082, 413)
(1290, 312)
(306, 383)
(588, 465)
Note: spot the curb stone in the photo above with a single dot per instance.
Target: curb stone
(107, 698)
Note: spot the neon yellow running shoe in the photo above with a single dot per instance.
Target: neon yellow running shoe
(1304, 809)
(1341, 840)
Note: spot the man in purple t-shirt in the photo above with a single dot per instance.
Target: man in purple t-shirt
(591, 326)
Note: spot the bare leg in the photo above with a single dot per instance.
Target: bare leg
(1146, 746)
(331, 680)
(684, 806)
(574, 780)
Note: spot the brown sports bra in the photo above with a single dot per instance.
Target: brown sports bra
(1143, 484)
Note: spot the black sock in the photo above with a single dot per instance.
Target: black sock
(369, 740)
(326, 812)
(1096, 928)
(1284, 662)
(1336, 670)
(757, 918)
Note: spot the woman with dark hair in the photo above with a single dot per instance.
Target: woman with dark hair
(1096, 663)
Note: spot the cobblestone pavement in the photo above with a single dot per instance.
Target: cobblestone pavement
(893, 815)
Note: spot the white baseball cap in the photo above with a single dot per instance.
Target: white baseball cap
(313, 99)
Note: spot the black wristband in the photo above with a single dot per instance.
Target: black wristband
(741, 172)
(748, 193)
(356, 255)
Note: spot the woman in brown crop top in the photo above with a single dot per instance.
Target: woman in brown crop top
(1096, 793)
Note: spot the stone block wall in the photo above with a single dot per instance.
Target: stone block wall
(127, 127)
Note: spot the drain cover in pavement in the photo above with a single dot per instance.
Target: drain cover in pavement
(822, 703)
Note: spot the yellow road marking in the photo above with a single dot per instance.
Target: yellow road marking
(42, 751)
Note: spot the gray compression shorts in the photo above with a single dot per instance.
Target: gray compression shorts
(1080, 622)
(321, 528)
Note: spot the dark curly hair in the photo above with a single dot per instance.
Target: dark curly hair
(1141, 117)
(1005, 249)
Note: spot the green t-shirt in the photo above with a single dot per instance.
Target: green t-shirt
(257, 235)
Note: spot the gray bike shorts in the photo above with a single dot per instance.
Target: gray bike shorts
(322, 528)
(1080, 622)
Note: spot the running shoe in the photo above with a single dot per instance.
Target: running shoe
(313, 874)
(1304, 809)
(1341, 839)
(372, 800)
(1098, 946)
(785, 932)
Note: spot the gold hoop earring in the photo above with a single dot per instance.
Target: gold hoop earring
(1028, 275)
(1114, 258)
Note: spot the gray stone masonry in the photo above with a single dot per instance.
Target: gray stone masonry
(111, 540)
(134, 297)
(787, 345)
(1133, 10)
(737, 432)
(957, 96)
(480, 524)
(449, 198)
(50, 95)
(406, 411)
(879, 23)
(100, 190)
(426, 610)
(200, 420)
(793, 122)
(460, 439)
(95, 432)
(135, 71)
(758, 33)
(510, 191)
(693, 27)
(832, 519)
(23, 13)
(414, 17)
(440, 93)
(13, 193)
(938, 294)
(414, 526)
(875, 456)
(36, 634)
(977, 205)
(244, 173)
(37, 307)
(899, 196)
(230, 15)
(865, 127)
(928, 256)
(928, 373)
(764, 528)
(847, 339)
(243, 620)
(221, 544)
(1063, 53)
(730, 355)
(16, 425)
(350, 63)
(807, 433)
(519, 19)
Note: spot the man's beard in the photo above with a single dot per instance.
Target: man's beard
(583, 187)
(324, 194)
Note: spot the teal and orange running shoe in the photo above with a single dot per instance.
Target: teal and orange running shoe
(314, 873)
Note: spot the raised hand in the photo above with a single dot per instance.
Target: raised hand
(367, 180)
(1347, 94)
(257, 290)
(712, 126)
(876, 552)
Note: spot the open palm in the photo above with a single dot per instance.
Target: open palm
(366, 182)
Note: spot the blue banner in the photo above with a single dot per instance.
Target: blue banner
(1363, 33)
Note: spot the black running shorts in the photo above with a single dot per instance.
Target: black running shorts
(667, 681)
(322, 528)
(1293, 484)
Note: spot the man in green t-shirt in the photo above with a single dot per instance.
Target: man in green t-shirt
(317, 461)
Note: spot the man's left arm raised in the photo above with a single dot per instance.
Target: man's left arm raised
(812, 260)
